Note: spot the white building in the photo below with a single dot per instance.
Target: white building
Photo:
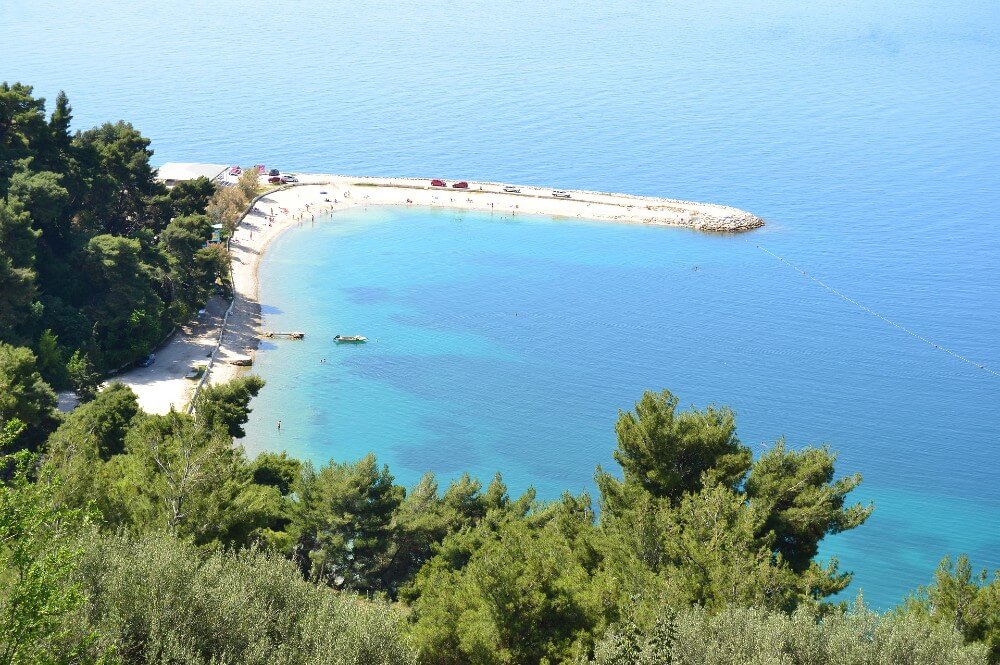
(172, 173)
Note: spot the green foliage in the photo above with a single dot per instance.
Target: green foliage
(89, 437)
(194, 267)
(424, 519)
(509, 591)
(17, 238)
(191, 197)
(671, 568)
(961, 599)
(703, 552)
(276, 470)
(37, 556)
(669, 454)
(248, 184)
(22, 123)
(179, 476)
(342, 520)
(119, 201)
(169, 472)
(128, 309)
(78, 251)
(17, 274)
(740, 636)
(82, 376)
(50, 360)
(681, 530)
(228, 204)
(47, 203)
(24, 396)
(683, 471)
(101, 424)
(803, 502)
(156, 599)
(226, 406)
(60, 138)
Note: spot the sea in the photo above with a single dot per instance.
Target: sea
(864, 316)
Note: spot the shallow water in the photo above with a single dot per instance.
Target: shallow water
(508, 345)
(867, 137)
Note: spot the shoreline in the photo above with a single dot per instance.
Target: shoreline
(319, 194)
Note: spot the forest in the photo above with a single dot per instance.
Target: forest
(140, 538)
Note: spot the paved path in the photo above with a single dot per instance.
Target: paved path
(164, 384)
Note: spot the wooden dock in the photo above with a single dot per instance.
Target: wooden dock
(289, 335)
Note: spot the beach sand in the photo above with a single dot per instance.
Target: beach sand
(162, 385)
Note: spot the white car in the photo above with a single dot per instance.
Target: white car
(511, 189)
(560, 194)
(289, 178)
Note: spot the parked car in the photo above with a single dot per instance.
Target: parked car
(288, 178)
(148, 360)
(438, 183)
(274, 172)
(260, 169)
(560, 194)
(235, 171)
(461, 185)
(511, 189)
(274, 180)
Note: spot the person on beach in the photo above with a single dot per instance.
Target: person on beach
(279, 425)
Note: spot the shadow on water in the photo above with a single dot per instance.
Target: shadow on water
(449, 449)
(367, 295)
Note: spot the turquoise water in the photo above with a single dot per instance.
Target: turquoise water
(867, 136)
(502, 344)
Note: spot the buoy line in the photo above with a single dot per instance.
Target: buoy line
(869, 310)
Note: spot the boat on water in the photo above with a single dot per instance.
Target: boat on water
(347, 339)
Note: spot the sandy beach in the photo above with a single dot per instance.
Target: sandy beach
(162, 385)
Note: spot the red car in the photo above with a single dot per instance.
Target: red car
(235, 170)
(438, 183)
(461, 185)
(274, 180)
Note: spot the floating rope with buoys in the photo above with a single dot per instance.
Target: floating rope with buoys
(871, 311)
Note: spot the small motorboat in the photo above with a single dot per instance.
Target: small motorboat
(350, 339)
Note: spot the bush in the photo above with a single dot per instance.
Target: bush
(158, 599)
(761, 637)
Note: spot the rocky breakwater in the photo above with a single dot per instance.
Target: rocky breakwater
(731, 221)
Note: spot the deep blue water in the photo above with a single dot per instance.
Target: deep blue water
(868, 136)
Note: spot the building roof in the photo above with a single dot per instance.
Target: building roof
(172, 172)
